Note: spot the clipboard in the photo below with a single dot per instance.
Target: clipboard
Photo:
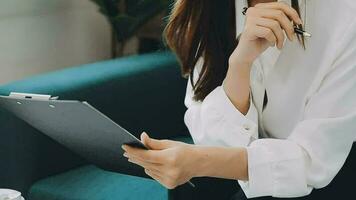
(79, 127)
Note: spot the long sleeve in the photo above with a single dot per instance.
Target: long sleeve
(215, 121)
(318, 146)
(310, 155)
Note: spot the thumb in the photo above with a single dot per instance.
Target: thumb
(154, 144)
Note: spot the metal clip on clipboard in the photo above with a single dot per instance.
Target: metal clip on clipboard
(32, 96)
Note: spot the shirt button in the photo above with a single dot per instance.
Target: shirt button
(246, 127)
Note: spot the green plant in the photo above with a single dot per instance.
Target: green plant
(127, 16)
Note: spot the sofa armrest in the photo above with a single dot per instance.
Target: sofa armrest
(140, 93)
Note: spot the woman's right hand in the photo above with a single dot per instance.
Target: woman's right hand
(265, 26)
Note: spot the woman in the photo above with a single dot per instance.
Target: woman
(274, 111)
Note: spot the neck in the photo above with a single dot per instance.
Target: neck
(252, 3)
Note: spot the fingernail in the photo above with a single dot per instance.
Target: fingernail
(123, 147)
(125, 155)
(300, 22)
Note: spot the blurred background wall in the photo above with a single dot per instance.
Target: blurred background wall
(37, 36)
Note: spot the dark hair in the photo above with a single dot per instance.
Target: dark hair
(204, 28)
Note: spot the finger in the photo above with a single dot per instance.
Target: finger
(155, 171)
(277, 36)
(155, 144)
(158, 169)
(161, 179)
(144, 137)
(132, 157)
(144, 164)
(153, 156)
(289, 11)
(154, 175)
(282, 19)
(265, 33)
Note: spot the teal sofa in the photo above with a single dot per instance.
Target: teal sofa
(141, 93)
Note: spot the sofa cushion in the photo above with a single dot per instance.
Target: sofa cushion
(91, 183)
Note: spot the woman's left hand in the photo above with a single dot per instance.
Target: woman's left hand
(169, 162)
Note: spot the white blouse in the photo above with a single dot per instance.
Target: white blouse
(303, 136)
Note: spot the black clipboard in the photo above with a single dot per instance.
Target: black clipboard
(79, 127)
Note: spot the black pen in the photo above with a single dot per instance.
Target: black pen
(301, 32)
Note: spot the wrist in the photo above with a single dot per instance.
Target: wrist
(239, 59)
(201, 161)
(219, 162)
(240, 64)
